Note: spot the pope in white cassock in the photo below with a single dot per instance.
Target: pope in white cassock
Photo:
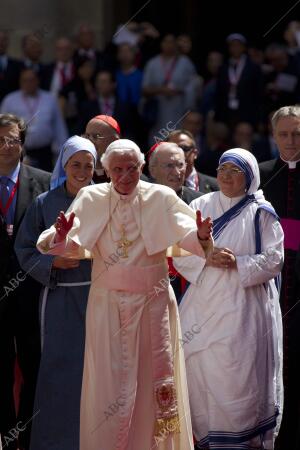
(134, 393)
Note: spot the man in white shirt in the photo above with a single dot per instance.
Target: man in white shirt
(62, 71)
(46, 127)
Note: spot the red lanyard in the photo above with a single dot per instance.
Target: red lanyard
(66, 73)
(4, 208)
(63, 76)
(168, 71)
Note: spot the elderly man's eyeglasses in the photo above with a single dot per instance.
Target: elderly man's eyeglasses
(230, 170)
(171, 166)
(96, 136)
(10, 142)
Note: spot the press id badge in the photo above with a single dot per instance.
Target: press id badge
(10, 229)
(233, 103)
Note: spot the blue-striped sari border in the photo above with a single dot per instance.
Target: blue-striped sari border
(216, 438)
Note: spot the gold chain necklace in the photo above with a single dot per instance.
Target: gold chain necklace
(123, 243)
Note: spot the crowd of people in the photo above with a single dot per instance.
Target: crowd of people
(150, 245)
(151, 82)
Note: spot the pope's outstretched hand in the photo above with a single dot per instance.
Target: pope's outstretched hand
(204, 226)
(63, 226)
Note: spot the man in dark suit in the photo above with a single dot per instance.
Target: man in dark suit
(239, 86)
(19, 294)
(87, 49)
(59, 73)
(282, 86)
(107, 103)
(102, 130)
(32, 50)
(167, 166)
(193, 179)
(280, 181)
(9, 68)
(264, 147)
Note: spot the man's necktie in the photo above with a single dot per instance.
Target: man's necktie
(4, 192)
(2, 67)
(107, 107)
(63, 75)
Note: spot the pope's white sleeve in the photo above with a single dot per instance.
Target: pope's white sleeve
(190, 267)
(67, 248)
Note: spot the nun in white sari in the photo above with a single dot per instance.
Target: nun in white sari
(234, 360)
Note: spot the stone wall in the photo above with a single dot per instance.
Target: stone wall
(52, 18)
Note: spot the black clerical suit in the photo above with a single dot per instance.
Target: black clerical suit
(281, 186)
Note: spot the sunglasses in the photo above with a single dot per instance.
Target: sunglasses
(187, 148)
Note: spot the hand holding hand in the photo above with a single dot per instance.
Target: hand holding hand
(222, 258)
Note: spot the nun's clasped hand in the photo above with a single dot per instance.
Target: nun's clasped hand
(222, 258)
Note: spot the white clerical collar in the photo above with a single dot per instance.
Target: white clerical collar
(240, 60)
(90, 53)
(229, 202)
(291, 164)
(126, 197)
(99, 171)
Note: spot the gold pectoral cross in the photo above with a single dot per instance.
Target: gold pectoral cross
(123, 244)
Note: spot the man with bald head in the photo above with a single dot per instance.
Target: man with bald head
(167, 166)
(101, 130)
